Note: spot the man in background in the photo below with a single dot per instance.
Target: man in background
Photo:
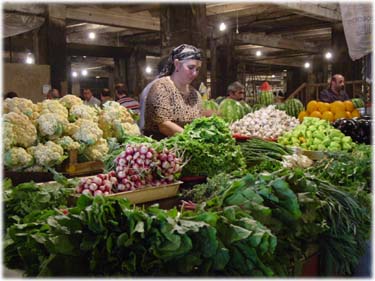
(89, 99)
(126, 101)
(53, 94)
(105, 96)
(236, 91)
(336, 90)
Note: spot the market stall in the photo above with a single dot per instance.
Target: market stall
(291, 198)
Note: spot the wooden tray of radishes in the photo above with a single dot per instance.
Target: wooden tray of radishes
(141, 174)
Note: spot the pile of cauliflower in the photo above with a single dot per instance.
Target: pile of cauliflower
(37, 136)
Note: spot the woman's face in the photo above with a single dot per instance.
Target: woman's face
(188, 70)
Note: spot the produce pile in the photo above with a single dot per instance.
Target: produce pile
(265, 123)
(317, 134)
(332, 111)
(208, 147)
(359, 129)
(37, 136)
(137, 166)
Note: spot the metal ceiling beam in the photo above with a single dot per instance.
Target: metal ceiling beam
(316, 11)
(274, 41)
(111, 18)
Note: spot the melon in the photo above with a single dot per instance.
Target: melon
(280, 106)
(293, 107)
(358, 103)
(231, 110)
(266, 98)
(247, 108)
(257, 106)
(210, 105)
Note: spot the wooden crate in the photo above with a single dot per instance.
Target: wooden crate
(73, 168)
(149, 193)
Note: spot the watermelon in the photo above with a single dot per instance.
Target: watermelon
(280, 106)
(293, 107)
(210, 105)
(219, 99)
(266, 98)
(257, 106)
(247, 108)
(231, 110)
(358, 103)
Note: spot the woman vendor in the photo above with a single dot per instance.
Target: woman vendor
(172, 102)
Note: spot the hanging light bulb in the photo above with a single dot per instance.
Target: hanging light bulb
(328, 55)
(258, 53)
(148, 69)
(92, 35)
(29, 58)
(74, 74)
(84, 72)
(222, 26)
(307, 65)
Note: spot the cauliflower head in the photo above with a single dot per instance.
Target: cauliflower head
(21, 106)
(8, 137)
(125, 129)
(23, 130)
(69, 100)
(97, 151)
(51, 125)
(53, 106)
(83, 111)
(17, 158)
(113, 112)
(87, 131)
(47, 155)
(67, 143)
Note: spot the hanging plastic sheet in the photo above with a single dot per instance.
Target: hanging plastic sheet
(357, 22)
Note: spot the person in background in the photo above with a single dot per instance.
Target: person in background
(105, 96)
(336, 90)
(172, 102)
(126, 101)
(145, 92)
(53, 94)
(89, 99)
(236, 91)
(10, 95)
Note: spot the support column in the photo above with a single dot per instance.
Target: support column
(136, 66)
(295, 78)
(185, 24)
(57, 55)
(342, 63)
(222, 60)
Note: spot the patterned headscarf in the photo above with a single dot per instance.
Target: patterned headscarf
(182, 52)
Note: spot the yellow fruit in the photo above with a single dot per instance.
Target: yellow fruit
(349, 106)
(316, 113)
(355, 113)
(302, 115)
(328, 115)
(337, 106)
(323, 106)
(348, 114)
(340, 114)
(312, 106)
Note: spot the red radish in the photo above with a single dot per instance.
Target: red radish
(93, 187)
(98, 192)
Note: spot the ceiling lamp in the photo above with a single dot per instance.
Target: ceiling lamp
(29, 58)
(84, 72)
(148, 69)
(328, 55)
(307, 65)
(222, 26)
(92, 35)
(273, 75)
(74, 74)
(258, 53)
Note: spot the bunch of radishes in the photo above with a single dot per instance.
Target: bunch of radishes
(137, 166)
(140, 164)
(168, 166)
(101, 184)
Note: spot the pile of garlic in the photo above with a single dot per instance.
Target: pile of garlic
(265, 123)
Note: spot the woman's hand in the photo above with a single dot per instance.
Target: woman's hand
(169, 128)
